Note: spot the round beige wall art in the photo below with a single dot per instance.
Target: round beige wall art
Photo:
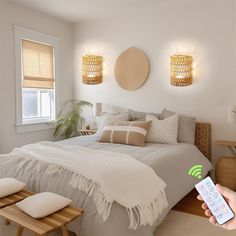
(132, 69)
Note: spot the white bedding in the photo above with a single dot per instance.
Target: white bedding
(107, 177)
(171, 162)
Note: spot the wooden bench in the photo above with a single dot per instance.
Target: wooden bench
(44, 225)
(13, 199)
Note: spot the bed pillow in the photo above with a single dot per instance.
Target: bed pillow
(10, 186)
(111, 118)
(126, 132)
(162, 131)
(187, 126)
(43, 204)
(139, 115)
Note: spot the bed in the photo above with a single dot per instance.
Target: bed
(170, 162)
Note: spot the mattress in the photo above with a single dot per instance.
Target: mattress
(170, 162)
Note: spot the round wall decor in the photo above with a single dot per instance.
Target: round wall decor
(132, 69)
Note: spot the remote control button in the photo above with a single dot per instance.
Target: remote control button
(216, 210)
(209, 199)
(212, 205)
(211, 189)
(226, 212)
(222, 206)
(204, 193)
(208, 183)
(219, 216)
(214, 195)
(219, 201)
(201, 187)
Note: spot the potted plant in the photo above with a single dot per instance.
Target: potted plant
(70, 119)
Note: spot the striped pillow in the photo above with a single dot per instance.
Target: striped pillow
(125, 132)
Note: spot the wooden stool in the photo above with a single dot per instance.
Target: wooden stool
(13, 199)
(44, 225)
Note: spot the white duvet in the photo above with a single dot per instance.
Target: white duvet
(105, 176)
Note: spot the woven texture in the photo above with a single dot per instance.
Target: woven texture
(203, 138)
(163, 131)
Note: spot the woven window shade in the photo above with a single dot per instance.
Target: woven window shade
(37, 65)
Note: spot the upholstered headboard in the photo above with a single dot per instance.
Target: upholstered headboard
(203, 138)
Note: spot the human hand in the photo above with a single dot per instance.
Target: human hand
(230, 197)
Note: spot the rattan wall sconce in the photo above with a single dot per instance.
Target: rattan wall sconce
(92, 69)
(181, 70)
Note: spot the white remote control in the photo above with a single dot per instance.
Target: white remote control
(214, 200)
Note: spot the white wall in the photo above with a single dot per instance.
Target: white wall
(14, 14)
(202, 28)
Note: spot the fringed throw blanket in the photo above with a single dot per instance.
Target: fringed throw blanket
(105, 176)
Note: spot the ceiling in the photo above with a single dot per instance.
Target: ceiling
(76, 10)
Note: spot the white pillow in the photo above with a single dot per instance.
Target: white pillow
(162, 131)
(9, 186)
(43, 204)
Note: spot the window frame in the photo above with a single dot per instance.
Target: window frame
(23, 33)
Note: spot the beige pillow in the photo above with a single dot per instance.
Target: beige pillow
(126, 132)
(9, 186)
(43, 204)
(139, 115)
(109, 118)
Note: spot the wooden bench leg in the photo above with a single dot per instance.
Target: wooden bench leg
(7, 222)
(64, 231)
(19, 231)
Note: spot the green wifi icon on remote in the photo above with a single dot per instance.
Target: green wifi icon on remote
(196, 171)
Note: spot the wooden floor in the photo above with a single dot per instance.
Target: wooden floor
(190, 204)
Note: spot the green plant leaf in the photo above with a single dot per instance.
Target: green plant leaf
(69, 118)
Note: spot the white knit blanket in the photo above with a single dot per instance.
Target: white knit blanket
(105, 176)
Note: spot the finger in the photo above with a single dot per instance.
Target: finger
(199, 198)
(204, 206)
(224, 191)
(212, 220)
(208, 213)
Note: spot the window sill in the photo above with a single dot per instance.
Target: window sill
(33, 127)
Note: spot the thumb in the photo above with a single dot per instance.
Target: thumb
(225, 191)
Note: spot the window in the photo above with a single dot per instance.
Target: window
(36, 79)
(37, 82)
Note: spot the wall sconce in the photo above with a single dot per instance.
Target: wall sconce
(92, 69)
(181, 70)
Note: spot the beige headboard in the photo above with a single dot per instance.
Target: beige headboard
(203, 138)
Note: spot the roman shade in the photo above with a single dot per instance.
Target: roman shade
(37, 63)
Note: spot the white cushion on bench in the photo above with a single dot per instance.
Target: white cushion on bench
(43, 204)
(9, 186)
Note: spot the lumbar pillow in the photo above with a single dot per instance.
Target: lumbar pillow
(162, 131)
(43, 204)
(9, 186)
(139, 115)
(187, 126)
(125, 132)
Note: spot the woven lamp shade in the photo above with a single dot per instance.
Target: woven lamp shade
(181, 70)
(92, 69)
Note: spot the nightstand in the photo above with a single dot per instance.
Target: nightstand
(226, 166)
(86, 132)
